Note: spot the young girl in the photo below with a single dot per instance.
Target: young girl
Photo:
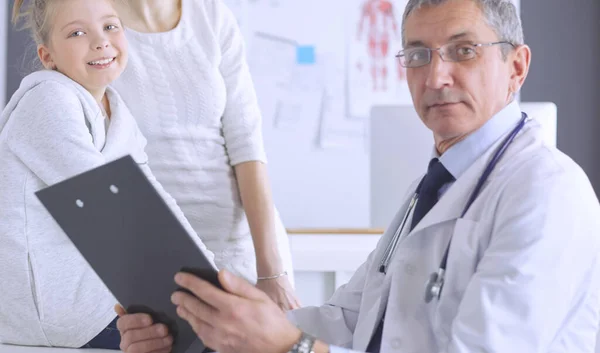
(62, 121)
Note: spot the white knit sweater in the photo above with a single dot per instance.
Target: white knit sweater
(192, 95)
(53, 129)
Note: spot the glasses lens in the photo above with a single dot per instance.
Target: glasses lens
(414, 57)
(460, 51)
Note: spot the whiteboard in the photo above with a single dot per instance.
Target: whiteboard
(317, 80)
(299, 104)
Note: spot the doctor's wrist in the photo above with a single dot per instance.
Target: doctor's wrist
(309, 344)
(320, 347)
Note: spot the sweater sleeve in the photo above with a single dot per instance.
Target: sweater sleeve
(242, 120)
(49, 135)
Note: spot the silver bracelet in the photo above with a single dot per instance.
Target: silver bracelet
(284, 273)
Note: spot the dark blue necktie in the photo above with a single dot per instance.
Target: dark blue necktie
(436, 177)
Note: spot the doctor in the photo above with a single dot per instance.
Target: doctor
(495, 249)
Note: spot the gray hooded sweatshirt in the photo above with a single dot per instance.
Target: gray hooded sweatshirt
(53, 129)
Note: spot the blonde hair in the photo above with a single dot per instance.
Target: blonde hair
(36, 18)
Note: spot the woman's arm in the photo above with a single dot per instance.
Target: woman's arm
(242, 130)
(258, 204)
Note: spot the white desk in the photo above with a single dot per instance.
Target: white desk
(19, 349)
(324, 259)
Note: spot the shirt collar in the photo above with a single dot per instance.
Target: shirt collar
(461, 156)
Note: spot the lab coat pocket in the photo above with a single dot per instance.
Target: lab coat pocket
(462, 262)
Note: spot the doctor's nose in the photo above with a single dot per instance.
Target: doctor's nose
(439, 74)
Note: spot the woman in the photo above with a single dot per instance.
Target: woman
(189, 87)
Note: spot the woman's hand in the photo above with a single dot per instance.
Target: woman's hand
(280, 291)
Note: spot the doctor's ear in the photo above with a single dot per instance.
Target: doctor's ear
(45, 57)
(519, 60)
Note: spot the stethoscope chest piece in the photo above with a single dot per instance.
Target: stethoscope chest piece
(434, 285)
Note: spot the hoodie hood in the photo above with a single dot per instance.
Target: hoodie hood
(38, 77)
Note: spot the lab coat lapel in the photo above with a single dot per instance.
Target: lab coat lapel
(365, 330)
(363, 334)
(396, 223)
(397, 220)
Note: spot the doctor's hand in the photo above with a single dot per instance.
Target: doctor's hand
(241, 319)
(140, 335)
(280, 291)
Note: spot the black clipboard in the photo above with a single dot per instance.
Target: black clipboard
(132, 240)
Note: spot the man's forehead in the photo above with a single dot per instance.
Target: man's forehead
(450, 36)
(445, 27)
(434, 25)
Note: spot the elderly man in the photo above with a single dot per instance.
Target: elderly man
(495, 249)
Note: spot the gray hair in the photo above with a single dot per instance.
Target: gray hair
(500, 15)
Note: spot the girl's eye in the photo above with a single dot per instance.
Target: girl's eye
(111, 27)
(76, 34)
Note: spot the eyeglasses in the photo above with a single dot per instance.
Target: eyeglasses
(453, 52)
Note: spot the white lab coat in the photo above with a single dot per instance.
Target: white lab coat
(523, 271)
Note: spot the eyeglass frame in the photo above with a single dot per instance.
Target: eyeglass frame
(431, 50)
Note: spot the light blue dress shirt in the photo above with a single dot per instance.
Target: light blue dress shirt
(462, 155)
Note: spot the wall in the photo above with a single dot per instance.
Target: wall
(564, 38)
(3, 51)
(21, 52)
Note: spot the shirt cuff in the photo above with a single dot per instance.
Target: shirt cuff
(337, 349)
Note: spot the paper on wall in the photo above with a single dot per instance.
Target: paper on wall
(335, 129)
(300, 98)
(373, 38)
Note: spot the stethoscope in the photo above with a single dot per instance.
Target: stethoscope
(435, 283)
